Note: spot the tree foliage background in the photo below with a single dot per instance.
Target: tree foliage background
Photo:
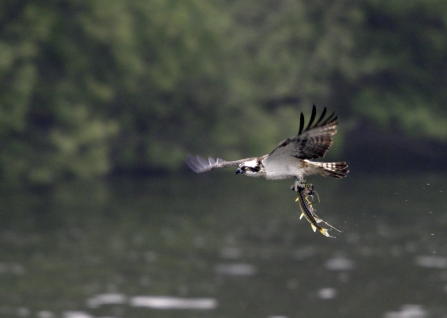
(90, 87)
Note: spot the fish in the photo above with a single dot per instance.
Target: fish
(308, 211)
(309, 193)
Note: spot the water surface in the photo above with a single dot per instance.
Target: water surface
(219, 245)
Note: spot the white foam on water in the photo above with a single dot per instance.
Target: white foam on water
(106, 299)
(408, 311)
(166, 302)
(327, 293)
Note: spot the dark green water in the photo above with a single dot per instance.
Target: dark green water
(219, 245)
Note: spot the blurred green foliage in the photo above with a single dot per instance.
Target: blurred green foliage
(94, 86)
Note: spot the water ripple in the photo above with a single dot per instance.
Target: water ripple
(237, 269)
(431, 261)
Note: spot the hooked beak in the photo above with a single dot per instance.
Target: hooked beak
(239, 170)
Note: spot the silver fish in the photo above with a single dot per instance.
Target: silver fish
(308, 211)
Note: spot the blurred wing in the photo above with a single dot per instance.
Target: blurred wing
(199, 164)
(310, 143)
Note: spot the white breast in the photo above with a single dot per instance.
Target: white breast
(284, 168)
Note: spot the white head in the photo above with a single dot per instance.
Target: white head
(251, 168)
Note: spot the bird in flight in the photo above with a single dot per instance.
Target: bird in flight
(291, 158)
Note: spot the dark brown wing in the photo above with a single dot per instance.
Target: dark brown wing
(199, 164)
(310, 143)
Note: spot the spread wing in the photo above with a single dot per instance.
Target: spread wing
(311, 142)
(199, 164)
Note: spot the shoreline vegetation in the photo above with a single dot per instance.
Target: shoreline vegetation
(90, 88)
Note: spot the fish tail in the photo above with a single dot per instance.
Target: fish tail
(325, 232)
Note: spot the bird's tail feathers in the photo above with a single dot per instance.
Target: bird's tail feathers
(334, 169)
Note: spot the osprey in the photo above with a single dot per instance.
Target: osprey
(291, 158)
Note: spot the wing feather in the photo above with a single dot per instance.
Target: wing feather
(199, 164)
(310, 143)
(312, 117)
(301, 124)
